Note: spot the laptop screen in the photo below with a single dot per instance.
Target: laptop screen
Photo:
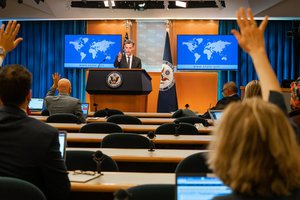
(85, 109)
(36, 104)
(215, 114)
(199, 187)
(62, 138)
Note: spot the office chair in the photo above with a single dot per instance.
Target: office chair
(195, 163)
(16, 189)
(124, 119)
(45, 112)
(147, 192)
(193, 120)
(101, 127)
(63, 118)
(107, 112)
(125, 140)
(83, 160)
(177, 129)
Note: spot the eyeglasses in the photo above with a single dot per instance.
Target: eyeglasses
(91, 173)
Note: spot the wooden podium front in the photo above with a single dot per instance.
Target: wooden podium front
(131, 95)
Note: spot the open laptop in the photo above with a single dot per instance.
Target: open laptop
(36, 104)
(215, 115)
(62, 138)
(199, 187)
(85, 109)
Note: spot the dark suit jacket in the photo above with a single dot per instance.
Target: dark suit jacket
(29, 150)
(136, 62)
(63, 103)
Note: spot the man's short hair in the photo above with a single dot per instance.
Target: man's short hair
(129, 41)
(15, 83)
(232, 86)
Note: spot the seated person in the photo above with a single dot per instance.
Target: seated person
(63, 102)
(29, 148)
(253, 89)
(294, 115)
(229, 93)
(255, 152)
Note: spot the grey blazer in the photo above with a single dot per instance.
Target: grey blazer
(63, 103)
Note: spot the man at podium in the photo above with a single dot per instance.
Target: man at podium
(128, 60)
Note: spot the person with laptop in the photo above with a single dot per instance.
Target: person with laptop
(229, 93)
(29, 148)
(63, 102)
(255, 150)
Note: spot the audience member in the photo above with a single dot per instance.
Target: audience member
(229, 93)
(29, 148)
(63, 102)
(253, 89)
(186, 112)
(294, 115)
(255, 152)
(8, 39)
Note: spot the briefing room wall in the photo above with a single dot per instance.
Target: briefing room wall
(190, 86)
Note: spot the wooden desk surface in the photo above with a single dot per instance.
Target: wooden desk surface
(112, 181)
(159, 139)
(157, 121)
(143, 155)
(136, 114)
(144, 128)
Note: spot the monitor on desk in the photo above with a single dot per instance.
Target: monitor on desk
(199, 186)
(215, 115)
(36, 104)
(85, 109)
(62, 138)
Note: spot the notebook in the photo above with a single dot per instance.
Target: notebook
(215, 115)
(85, 109)
(199, 187)
(62, 138)
(36, 104)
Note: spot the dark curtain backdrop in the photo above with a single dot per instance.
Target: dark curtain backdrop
(42, 52)
(281, 51)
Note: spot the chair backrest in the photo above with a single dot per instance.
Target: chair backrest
(195, 163)
(101, 127)
(83, 160)
(107, 112)
(45, 112)
(193, 120)
(183, 129)
(147, 192)
(124, 119)
(125, 140)
(16, 189)
(63, 118)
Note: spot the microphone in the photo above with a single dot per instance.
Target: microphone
(98, 157)
(101, 62)
(177, 127)
(151, 135)
(122, 195)
(95, 106)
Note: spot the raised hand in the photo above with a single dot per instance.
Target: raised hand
(120, 56)
(8, 39)
(56, 78)
(250, 37)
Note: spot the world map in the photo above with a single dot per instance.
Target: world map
(96, 49)
(198, 47)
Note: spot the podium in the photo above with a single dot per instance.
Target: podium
(123, 89)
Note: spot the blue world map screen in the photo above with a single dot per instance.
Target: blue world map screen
(91, 51)
(207, 52)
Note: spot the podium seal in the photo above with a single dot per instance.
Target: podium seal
(114, 80)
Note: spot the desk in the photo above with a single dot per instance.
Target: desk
(157, 121)
(144, 128)
(112, 181)
(159, 139)
(143, 155)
